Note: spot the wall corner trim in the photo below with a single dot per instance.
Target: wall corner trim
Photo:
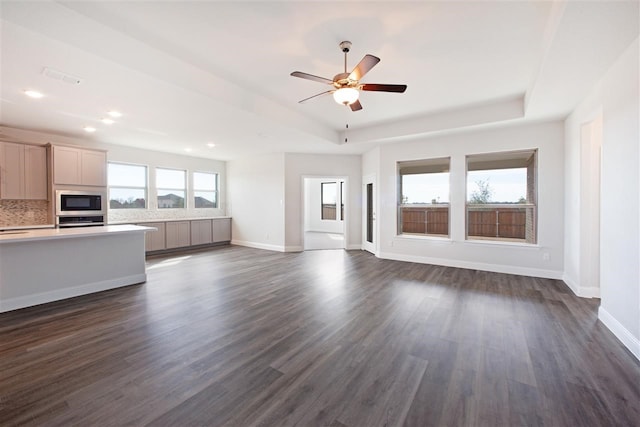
(496, 268)
(622, 333)
(257, 245)
(581, 291)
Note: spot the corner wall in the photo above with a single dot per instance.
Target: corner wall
(256, 201)
(617, 97)
(481, 255)
(299, 166)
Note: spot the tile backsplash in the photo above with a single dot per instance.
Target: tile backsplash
(16, 213)
(133, 215)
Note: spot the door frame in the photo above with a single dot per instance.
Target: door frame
(366, 245)
(345, 225)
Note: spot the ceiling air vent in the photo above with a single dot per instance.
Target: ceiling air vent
(59, 75)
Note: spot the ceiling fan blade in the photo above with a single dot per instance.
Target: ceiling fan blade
(356, 106)
(311, 77)
(366, 64)
(314, 96)
(383, 88)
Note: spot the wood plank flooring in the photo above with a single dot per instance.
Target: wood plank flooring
(242, 337)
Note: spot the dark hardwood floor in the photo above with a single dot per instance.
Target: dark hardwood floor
(241, 337)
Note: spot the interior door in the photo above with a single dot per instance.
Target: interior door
(369, 241)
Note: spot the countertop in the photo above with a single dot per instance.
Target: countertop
(33, 235)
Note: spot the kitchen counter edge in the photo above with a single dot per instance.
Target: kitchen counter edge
(70, 233)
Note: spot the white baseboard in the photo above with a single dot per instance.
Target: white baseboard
(257, 245)
(354, 247)
(622, 333)
(60, 294)
(581, 291)
(497, 268)
(293, 249)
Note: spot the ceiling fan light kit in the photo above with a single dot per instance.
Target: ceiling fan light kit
(346, 95)
(347, 86)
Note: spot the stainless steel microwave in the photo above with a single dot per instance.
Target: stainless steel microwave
(85, 203)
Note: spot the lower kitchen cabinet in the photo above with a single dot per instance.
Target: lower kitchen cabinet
(154, 240)
(221, 230)
(178, 234)
(201, 232)
(183, 234)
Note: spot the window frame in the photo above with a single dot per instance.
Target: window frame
(184, 190)
(215, 191)
(322, 217)
(145, 188)
(427, 163)
(531, 196)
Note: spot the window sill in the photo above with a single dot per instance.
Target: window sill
(418, 237)
(480, 242)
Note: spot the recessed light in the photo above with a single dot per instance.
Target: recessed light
(89, 129)
(107, 121)
(188, 150)
(33, 94)
(114, 113)
(211, 145)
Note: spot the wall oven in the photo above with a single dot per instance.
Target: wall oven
(80, 208)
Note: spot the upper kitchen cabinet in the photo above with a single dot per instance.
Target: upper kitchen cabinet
(23, 171)
(79, 166)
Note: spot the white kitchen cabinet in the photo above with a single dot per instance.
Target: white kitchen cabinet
(23, 171)
(155, 240)
(201, 232)
(78, 166)
(35, 173)
(221, 230)
(178, 234)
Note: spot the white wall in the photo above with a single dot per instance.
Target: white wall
(154, 159)
(493, 256)
(299, 166)
(151, 159)
(256, 201)
(620, 235)
(313, 207)
(616, 98)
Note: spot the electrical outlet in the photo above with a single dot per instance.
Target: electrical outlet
(545, 256)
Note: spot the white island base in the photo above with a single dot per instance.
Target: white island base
(40, 266)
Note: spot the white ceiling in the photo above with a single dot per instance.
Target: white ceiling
(188, 73)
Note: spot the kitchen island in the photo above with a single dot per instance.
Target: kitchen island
(44, 265)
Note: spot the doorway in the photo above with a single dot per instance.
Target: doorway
(369, 241)
(590, 159)
(324, 213)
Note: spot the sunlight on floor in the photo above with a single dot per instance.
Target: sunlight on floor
(169, 262)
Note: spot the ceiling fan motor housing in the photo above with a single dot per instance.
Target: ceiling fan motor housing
(345, 46)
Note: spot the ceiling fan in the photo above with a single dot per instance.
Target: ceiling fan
(347, 86)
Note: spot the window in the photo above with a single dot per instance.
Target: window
(127, 186)
(328, 194)
(171, 188)
(423, 205)
(205, 190)
(501, 196)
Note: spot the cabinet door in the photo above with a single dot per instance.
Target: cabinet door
(154, 240)
(11, 170)
(178, 234)
(66, 165)
(94, 168)
(35, 173)
(221, 230)
(201, 232)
